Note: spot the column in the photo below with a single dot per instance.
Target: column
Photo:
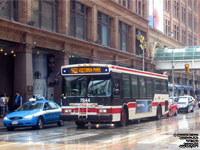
(62, 23)
(92, 24)
(61, 59)
(67, 25)
(114, 32)
(23, 71)
(23, 9)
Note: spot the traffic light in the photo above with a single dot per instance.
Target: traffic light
(187, 68)
(141, 46)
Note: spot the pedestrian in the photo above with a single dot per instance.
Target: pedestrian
(2, 105)
(17, 100)
(6, 102)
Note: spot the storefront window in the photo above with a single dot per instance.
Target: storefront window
(44, 75)
(40, 75)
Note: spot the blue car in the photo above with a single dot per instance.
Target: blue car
(34, 114)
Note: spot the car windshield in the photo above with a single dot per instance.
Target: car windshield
(182, 100)
(30, 106)
(170, 101)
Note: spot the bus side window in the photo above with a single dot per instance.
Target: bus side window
(116, 87)
(149, 88)
(126, 86)
(157, 86)
(142, 87)
(164, 86)
(134, 84)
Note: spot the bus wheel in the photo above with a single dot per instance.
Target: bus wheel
(80, 124)
(159, 113)
(124, 120)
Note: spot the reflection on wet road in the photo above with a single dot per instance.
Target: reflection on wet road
(137, 136)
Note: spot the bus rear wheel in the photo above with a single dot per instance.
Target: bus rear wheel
(159, 113)
(124, 118)
(80, 124)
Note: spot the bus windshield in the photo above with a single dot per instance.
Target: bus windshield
(90, 86)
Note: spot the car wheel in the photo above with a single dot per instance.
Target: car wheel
(187, 111)
(159, 113)
(170, 113)
(60, 123)
(176, 112)
(10, 128)
(40, 123)
(193, 109)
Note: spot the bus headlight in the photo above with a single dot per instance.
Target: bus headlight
(102, 111)
(68, 111)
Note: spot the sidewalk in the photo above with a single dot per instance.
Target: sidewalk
(1, 124)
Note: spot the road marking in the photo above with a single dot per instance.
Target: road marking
(155, 139)
(116, 138)
(7, 144)
(74, 137)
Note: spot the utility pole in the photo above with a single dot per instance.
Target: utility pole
(172, 73)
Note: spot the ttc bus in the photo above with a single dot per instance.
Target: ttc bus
(109, 94)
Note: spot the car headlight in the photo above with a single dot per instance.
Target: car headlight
(5, 118)
(29, 117)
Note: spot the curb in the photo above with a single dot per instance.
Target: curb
(2, 128)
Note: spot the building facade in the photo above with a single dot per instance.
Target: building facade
(178, 29)
(38, 36)
(181, 19)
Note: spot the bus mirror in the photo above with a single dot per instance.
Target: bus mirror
(116, 91)
(63, 96)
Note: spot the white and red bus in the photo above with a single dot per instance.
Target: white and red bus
(101, 93)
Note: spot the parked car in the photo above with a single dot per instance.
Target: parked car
(186, 104)
(173, 107)
(34, 114)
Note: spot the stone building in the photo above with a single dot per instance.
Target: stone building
(179, 29)
(38, 36)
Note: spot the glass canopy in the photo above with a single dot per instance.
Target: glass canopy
(179, 53)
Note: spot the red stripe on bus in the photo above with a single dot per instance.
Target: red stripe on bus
(94, 110)
(116, 110)
(137, 71)
(131, 105)
(156, 103)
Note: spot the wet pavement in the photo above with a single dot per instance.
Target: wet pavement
(156, 135)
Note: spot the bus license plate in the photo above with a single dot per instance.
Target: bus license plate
(14, 122)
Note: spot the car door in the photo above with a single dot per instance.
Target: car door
(173, 107)
(190, 103)
(47, 113)
(55, 112)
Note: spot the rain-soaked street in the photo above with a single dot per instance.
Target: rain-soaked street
(137, 136)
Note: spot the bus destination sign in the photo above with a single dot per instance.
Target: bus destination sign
(85, 70)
